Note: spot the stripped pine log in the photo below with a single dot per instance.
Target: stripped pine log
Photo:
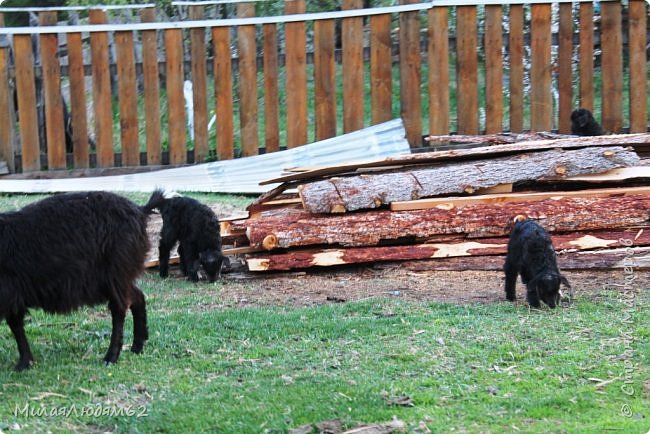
(599, 259)
(293, 227)
(495, 139)
(486, 246)
(372, 191)
(639, 142)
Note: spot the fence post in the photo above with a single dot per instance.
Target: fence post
(128, 98)
(638, 17)
(175, 100)
(247, 82)
(611, 62)
(295, 66)
(493, 70)
(7, 109)
(223, 92)
(151, 87)
(78, 116)
(586, 55)
(381, 69)
(26, 91)
(324, 79)
(352, 49)
(541, 104)
(565, 74)
(466, 70)
(199, 87)
(516, 57)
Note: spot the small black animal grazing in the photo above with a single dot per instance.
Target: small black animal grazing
(531, 254)
(73, 250)
(196, 229)
(584, 124)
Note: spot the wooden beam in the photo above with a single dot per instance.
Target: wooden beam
(454, 202)
(306, 258)
(639, 142)
(560, 213)
(373, 191)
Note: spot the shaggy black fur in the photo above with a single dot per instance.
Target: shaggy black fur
(531, 254)
(584, 124)
(74, 250)
(196, 228)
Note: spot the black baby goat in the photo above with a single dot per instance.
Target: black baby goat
(531, 254)
(583, 123)
(196, 229)
(73, 250)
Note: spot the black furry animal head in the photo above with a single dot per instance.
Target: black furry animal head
(212, 262)
(548, 287)
(584, 124)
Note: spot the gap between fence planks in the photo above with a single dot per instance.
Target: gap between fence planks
(306, 258)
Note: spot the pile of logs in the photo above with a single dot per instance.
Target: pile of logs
(456, 207)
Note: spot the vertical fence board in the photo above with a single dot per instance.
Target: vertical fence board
(409, 72)
(352, 40)
(54, 125)
(175, 99)
(565, 75)
(247, 82)
(199, 87)
(638, 16)
(381, 69)
(128, 96)
(438, 58)
(223, 92)
(611, 61)
(271, 98)
(7, 116)
(541, 103)
(151, 88)
(324, 79)
(78, 119)
(493, 70)
(28, 118)
(296, 85)
(516, 57)
(102, 103)
(586, 56)
(467, 70)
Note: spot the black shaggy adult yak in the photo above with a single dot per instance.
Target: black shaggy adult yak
(531, 254)
(196, 229)
(72, 250)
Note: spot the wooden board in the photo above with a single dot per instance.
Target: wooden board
(637, 141)
(375, 190)
(565, 73)
(306, 258)
(199, 86)
(175, 99)
(493, 69)
(7, 114)
(128, 99)
(247, 82)
(621, 174)
(409, 74)
(438, 57)
(151, 88)
(560, 213)
(516, 57)
(26, 92)
(638, 21)
(453, 202)
(352, 59)
(611, 61)
(54, 125)
(271, 92)
(541, 103)
(467, 70)
(586, 55)
(296, 72)
(223, 92)
(324, 79)
(102, 94)
(381, 69)
(78, 110)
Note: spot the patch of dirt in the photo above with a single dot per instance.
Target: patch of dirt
(388, 280)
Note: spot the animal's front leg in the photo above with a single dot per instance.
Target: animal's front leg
(531, 294)
(192, 262)
(17, 326)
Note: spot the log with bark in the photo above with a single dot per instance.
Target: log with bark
(495, 139)
(283, 228)
(372, 191)
(638, 142)
(307, 258)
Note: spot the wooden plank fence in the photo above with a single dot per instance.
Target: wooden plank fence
(260, 86)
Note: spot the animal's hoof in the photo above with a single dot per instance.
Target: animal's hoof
(137, 348)
(22, 365)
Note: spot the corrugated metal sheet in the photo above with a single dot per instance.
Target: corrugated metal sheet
(241, 175)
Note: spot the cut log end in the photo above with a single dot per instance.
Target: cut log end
(561, 170)
(469, 189)
(609, 154)
(338, 208)
(270, 242)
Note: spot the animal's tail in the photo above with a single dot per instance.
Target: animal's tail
(155, 201)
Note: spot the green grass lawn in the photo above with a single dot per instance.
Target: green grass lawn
(458, 368)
